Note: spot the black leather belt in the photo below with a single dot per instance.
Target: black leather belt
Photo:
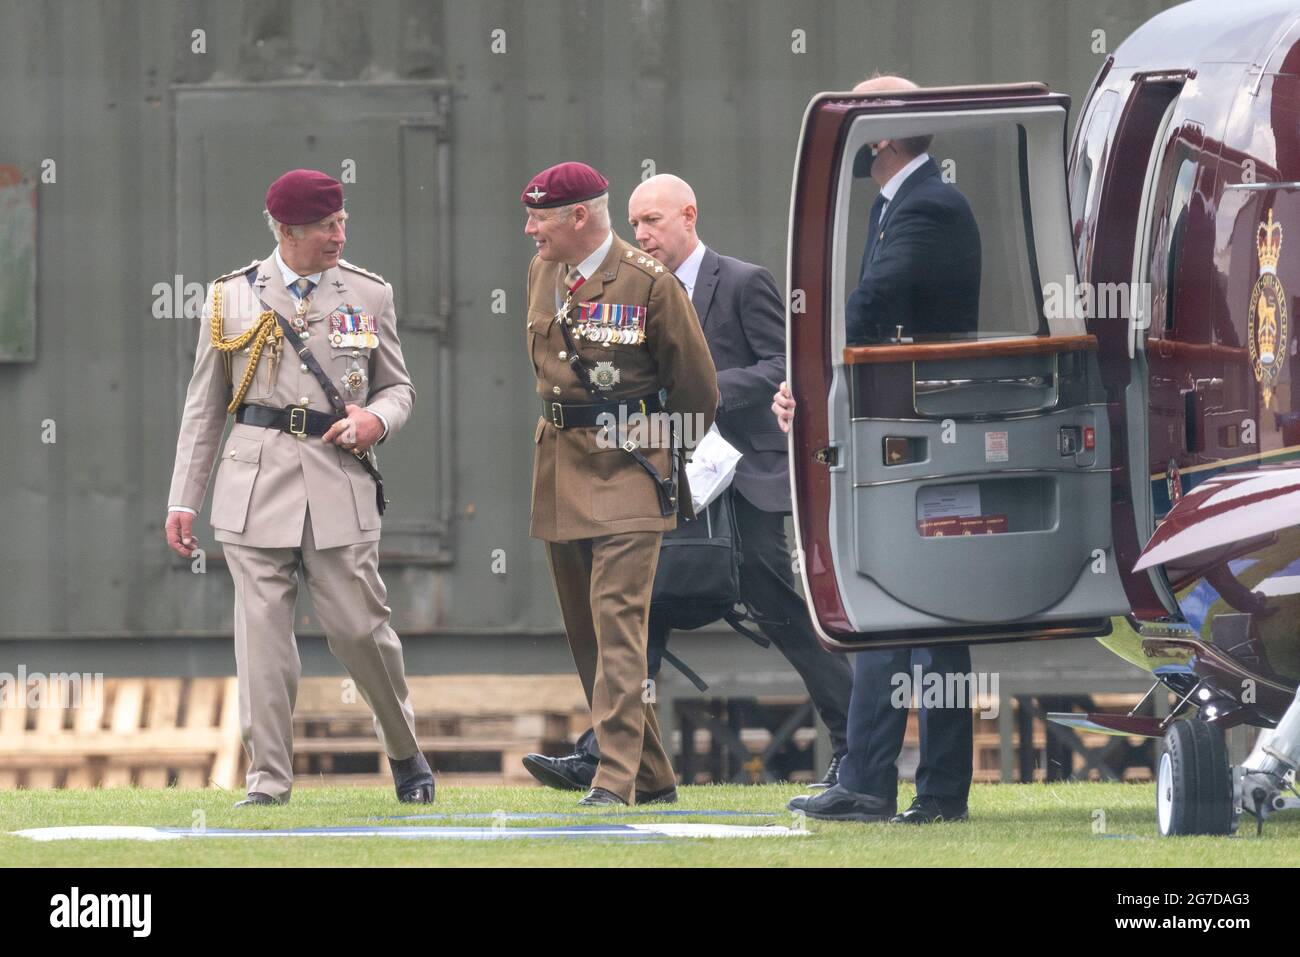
(294, 419)
(302, 421)
(585, 415)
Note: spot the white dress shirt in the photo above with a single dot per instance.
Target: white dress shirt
(589, 265)
(896, 181)
(689, 271)
(290, 277)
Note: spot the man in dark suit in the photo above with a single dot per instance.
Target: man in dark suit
(920, 276)
(743, 319)
(920, 273)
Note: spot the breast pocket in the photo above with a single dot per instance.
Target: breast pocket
(236, 476)
(539, 331)
(349, 370)
(261, 385)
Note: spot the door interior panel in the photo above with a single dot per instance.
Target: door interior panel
(994, 504)
(955, 487)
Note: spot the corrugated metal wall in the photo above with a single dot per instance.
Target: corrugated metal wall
(709, 89)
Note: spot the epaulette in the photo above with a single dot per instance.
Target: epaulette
(365, 272)
(648, 263)
(237, 272)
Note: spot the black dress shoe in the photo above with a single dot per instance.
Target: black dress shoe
(413, 779)
(666, 795)
(599, 796)
(840, 804)
(832, 774)
(928, 810)
(257, 798)
(573, 772)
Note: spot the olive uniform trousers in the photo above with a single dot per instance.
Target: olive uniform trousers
(604, 586)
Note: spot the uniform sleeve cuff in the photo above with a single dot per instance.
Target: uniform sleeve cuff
(181, 508)
(380, 417)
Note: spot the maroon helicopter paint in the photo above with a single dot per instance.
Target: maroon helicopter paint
(1180, 187)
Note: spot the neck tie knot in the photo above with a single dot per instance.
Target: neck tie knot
(302, 287)
(574, 279)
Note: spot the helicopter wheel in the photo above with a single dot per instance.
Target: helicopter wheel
(1194, 781)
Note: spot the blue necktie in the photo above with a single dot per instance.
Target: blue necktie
(873, 227)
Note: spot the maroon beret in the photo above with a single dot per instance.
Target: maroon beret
(564, 184)
(304, 196)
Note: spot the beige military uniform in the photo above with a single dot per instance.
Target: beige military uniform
(596, 507)
(282, 501)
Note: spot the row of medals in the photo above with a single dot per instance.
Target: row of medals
(599, 332)
(595, 332)
(354, 379)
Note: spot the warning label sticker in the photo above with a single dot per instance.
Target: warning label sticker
(996, 447)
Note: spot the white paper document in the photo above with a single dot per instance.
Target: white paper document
(948, 501)
(711, 468)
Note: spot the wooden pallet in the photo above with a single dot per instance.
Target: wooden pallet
(463, 749)
(150, 732)
(156, 732)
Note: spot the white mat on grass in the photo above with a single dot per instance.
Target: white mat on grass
(95, 832)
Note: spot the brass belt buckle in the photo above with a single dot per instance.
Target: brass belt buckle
(557, 415)
(298, 421)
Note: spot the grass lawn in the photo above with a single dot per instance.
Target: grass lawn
(1036, 825)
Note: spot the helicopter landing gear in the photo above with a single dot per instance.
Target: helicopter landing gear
(1194, 786)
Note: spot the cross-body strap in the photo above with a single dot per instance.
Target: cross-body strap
(331, 392)
(665, 487)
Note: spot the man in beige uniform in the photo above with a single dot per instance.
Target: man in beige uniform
(292, 487)
(610, 332)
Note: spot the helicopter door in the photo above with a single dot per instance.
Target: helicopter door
(951, 455)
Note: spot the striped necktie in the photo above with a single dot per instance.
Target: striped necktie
(302, 288)
(565, 290)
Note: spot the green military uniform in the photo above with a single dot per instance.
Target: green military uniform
(594, 504)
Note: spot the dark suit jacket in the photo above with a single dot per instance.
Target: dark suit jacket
(743, 317)
(923, 273)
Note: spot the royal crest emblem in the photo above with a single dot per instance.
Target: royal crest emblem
(605, 376)
(1269, 330)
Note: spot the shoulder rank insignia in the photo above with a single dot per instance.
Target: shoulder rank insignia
(365, 272)
(237, 272)
(647, 263)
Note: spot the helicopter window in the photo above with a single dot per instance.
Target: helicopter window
(1090, 159)
(1175, 226)
(953, 254)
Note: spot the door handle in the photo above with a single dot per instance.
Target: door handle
(933, 386)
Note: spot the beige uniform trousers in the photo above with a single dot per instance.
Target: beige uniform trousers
(348, 596)
(604, 585)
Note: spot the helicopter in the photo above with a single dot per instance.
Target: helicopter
(1117, 435)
